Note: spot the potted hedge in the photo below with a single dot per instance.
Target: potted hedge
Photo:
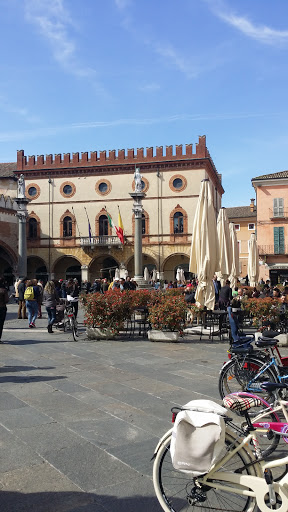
(105, 313)
(167, 318)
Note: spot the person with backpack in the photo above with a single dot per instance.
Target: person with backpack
(3, 301)
(31, 296)
(73, 295)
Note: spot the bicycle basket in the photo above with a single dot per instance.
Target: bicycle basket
(198, 436)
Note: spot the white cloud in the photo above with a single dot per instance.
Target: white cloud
(55, 24)
(261, 33)
(152, 87)
(22, 112)
(122, 4)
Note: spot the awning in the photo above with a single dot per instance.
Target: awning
(278, 266)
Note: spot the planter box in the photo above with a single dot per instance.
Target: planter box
(95, 333)
(166, 336)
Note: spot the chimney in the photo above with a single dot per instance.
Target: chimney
(252, 206)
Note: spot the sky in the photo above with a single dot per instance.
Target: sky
(92, 75)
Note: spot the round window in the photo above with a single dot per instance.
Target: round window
(32, 191)
(67, 190)
(103, 187)
(177, 183)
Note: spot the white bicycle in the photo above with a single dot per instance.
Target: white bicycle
(239, 481)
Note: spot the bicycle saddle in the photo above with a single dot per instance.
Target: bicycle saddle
(266, 342)
(241, 404)
(272, 386)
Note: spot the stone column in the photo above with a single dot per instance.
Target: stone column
(138, 267)
(22, 214)
(84, 273)
(22, 236)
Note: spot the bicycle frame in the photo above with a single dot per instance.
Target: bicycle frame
(278, 426)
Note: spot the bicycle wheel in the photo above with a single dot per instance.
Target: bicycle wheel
(238, 373)
(73, 328)
(177, 491)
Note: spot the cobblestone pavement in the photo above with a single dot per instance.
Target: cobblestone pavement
(79, 421)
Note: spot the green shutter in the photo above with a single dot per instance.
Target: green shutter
(276, 240)
(281, 241)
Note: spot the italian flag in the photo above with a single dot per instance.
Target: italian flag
(119, 230)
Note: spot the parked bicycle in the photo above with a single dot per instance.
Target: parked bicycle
(248, 368)
(239, 480)
(68, 321)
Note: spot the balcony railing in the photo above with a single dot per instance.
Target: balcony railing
(102, 240)
(270, 249)
(282, 213)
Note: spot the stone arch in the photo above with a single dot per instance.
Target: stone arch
(67, 266)
(33, 215)
(97, 218)
(69, 239)
(8, 263)
(37, 268)
(103, 266)
(177, 237)
(148, 261)
(172, 262)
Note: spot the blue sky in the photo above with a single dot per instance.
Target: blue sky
(86, 75)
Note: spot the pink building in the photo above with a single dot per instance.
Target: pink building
(272, 225)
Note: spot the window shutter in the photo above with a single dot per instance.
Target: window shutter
(281, 241)
(276, 240)
(278, 207)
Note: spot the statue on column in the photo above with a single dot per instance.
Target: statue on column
(21, 186)
(137, 179)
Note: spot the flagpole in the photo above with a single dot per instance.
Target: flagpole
(89, 225)
(76, 221)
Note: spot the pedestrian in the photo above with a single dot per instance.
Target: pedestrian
(217, 287)
(50, 297)
(63, 291)
(3, 301)
(41, 287)
(21, 302)
(31, 296)
(225, 295)
(16, 290)
(73, 294)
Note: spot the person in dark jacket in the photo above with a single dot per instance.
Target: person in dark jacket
(50, 297)
(73, 294)
(21, 301)
(225, 295)
(3, 301)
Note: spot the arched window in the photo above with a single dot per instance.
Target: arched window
(32, 228)
(178, 223)
(143, 224)
(67, 226)
(103, 225)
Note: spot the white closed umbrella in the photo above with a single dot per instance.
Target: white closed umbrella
(224, 246)
(253, 261)
(182, 275)
(146, 274)
(235, 256)
(154, 274)
(204, 259)
(178, 274)
(117, 273)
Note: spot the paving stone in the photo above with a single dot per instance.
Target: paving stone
(8, 401)
(23, 417)
(89, 467)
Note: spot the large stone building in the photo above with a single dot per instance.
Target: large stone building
(272, 225)
(8, 222)
(66, 193)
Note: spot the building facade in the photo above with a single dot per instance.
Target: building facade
(272, 225)
(70, 198)
(244, 219)
(8, 222)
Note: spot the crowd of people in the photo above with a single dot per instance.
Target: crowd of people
(32, 294)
